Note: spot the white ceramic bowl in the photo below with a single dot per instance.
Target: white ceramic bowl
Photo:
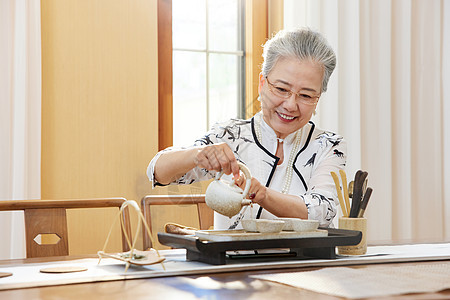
(288, 223)
(249, 225)
(272, 226)
(305, 225)
(295, 224)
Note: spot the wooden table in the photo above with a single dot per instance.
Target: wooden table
(232, 285)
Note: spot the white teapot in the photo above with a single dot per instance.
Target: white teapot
(227, 198)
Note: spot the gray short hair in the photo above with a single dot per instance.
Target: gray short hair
(302, 43)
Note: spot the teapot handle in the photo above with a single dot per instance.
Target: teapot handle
(248, 177)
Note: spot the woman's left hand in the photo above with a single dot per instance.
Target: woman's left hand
(281, 205)
(257, 192)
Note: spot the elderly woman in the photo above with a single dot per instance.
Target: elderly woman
(289, 157)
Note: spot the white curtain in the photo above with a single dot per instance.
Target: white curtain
(20, 115)
(390, 98)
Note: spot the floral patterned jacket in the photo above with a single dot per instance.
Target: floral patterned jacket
(320, 153)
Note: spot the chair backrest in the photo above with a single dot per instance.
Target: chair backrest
(49, 217)
(205, 214)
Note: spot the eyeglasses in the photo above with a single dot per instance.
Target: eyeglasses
(284, 93)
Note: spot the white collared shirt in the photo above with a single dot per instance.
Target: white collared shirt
(320, 153)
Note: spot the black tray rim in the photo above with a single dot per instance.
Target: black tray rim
(336, 237)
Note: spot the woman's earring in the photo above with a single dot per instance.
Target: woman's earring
(259, 98)
(314, 113)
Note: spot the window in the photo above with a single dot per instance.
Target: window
(220, 51)
(208, 65)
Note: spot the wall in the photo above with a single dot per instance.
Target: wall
(275, 16)
(99, 106)
(99, 110)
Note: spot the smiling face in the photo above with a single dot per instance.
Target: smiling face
(286, 116)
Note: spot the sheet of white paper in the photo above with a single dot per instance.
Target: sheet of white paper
(376, 281)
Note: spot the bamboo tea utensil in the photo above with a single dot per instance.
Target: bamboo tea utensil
(339, 193)
(364, 202)
(353, 209)
(360, 176)
(364, 187)
(350, 189)
(344, 185)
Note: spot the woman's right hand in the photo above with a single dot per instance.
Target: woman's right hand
(217, 157)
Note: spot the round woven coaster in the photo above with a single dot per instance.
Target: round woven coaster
(65, 269)
(3, 274)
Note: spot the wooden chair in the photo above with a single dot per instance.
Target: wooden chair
(49, 217)
(205, 214)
